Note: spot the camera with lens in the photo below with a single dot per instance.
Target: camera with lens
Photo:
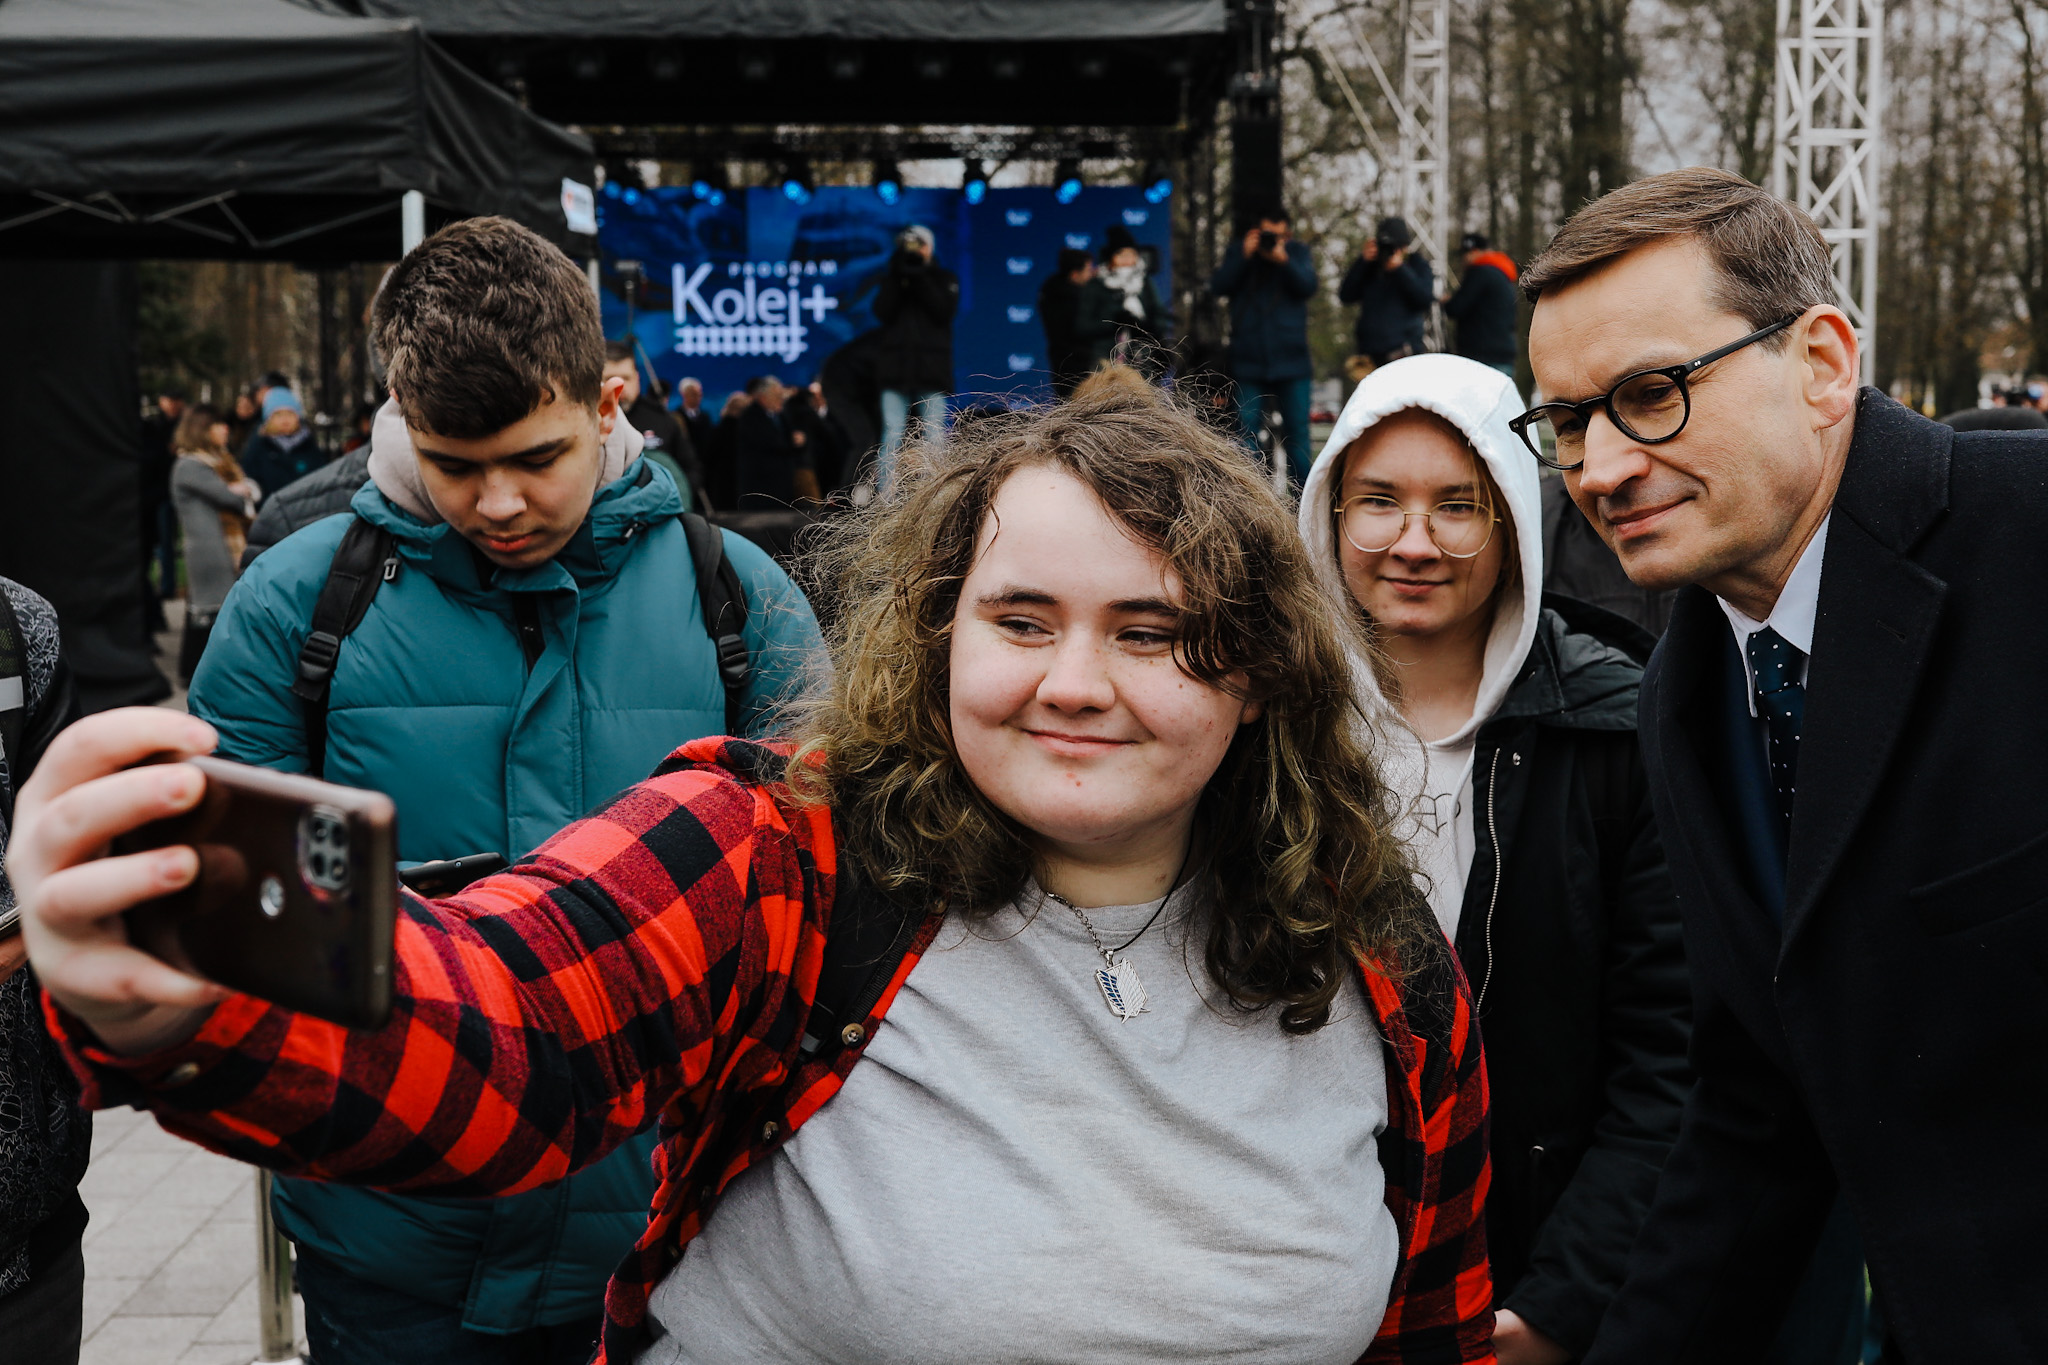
(1268, 239)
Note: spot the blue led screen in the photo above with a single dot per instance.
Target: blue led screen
(763, 284)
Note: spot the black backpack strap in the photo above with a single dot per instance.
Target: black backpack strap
(13, 703)
(725, 613)
(864, 944)
(366, 559)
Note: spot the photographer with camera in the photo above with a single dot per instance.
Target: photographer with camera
(914, 351)
(1393, 288)
(1269, 282)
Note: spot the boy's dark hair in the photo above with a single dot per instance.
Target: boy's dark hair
(1275, 213)
(615, 351)
(481, 324)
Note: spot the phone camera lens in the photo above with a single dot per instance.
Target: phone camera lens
(271, 897)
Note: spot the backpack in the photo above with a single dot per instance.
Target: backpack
(367, 558)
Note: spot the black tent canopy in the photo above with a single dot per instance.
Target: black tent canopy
(239, 129)
(672, 62)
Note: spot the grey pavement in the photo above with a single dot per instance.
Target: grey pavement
(170, 1254)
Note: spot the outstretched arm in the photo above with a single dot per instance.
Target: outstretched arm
(543, 1016)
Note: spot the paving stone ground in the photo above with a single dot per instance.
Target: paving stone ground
(170, 1254)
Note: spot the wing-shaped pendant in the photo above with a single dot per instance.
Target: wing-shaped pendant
(1122, 989)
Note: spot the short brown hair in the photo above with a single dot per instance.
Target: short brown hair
(1304, 872)
(1770, 261)
(484, 322)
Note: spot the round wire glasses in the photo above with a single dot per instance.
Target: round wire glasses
(1649, 406)
(1373, 523)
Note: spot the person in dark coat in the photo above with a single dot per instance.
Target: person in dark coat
(1269, 280)
(721, 456)
(1393, 288)
(846, 386)
(1508, 717)
(1129, 322)
(1842, 730)
(805, 414)
(283, 449)
(45, 1138)
(1578, 564)
(159, 522)
(323, 493)
(664, 440)
(690, 411)
(774, 464)
(1069, 339)
(914, 353)
(1484, 305)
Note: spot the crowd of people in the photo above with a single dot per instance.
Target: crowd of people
(1112, 910)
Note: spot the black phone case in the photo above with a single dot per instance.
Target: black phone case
(278, 911)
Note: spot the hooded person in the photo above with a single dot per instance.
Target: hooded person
(1506, 726)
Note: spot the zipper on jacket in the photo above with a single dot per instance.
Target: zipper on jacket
(1493, 893)
(526, 624)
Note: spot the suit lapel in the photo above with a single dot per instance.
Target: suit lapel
(1877, 620)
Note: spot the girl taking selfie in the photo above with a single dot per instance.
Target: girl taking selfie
(1064, 997)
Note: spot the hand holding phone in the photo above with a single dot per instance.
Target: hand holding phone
(76, 889)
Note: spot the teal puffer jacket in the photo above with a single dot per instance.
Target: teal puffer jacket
(432, 702)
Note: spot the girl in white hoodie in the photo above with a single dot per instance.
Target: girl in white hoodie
(1507, 724)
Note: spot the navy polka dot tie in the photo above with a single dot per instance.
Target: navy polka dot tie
(1775, 662)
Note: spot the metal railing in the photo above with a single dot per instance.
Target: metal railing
(276, 1333)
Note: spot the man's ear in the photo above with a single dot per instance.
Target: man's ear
(1831, 359)
(608, 406)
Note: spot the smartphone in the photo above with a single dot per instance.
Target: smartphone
(296, 898)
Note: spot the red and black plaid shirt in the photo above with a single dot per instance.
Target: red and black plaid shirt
(656, 960)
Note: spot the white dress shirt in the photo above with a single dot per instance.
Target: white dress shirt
(1792, 616)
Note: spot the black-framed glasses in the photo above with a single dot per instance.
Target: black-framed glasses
(1650, 406)
(1373, 523)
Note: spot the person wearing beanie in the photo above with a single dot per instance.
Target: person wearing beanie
(283, 449)
(1393, 286)
(1484, 306)
(1130, 322)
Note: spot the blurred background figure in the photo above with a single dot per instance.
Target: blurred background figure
(283, 449)
(1393, 288)
(666, 442)
(1484, 305)
(1061, 299)
(774, 456)
(914, 351)
(215, 502)
(1269, 280)
(697, 423)
(158, 526)
(1132, 322)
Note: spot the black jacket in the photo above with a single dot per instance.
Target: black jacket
(915, 305)
(1577, 563)
(767, 459)
(322, 493)
(1569, 936)
(1069, 349)
(266, 460)
(1484, 309)
(1887, 1039)
(662, 434)
(1393, 305)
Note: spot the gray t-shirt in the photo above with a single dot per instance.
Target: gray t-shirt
(1012, 1173)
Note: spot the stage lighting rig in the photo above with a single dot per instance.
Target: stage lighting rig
(888, 180)
(797, 185)
(974, 180)
(1158, 183)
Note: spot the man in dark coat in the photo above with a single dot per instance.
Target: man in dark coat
(774, 466)
(690, 411)
(1484, 306)
(1843, 739)
(159, 525)
(1393, 288)
(1064, 312)
(664, 440)
(914, 351)
(1269, 280)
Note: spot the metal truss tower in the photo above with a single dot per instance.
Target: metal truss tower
(1830, 122)
(1425, 105)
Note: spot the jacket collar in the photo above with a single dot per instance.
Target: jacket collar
(1584, 669)
(644, 496)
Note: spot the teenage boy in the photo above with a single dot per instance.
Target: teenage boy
(536, 643)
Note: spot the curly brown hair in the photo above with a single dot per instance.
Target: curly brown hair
(1304, 875)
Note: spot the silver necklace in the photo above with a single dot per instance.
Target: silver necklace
(1122, 991)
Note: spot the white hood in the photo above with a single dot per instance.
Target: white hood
(395, 465)
(1479, 401)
